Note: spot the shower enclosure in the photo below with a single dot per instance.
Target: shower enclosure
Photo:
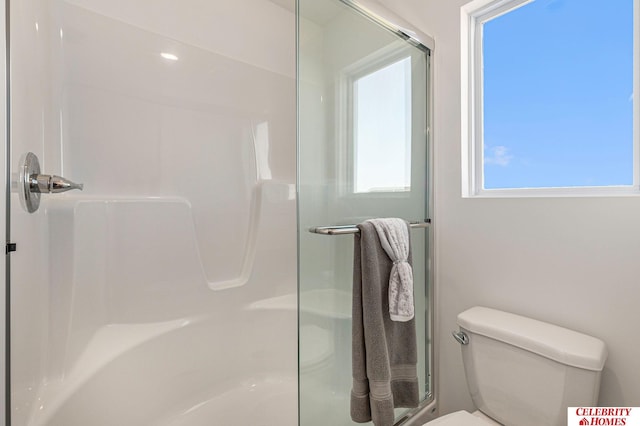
(166, 291)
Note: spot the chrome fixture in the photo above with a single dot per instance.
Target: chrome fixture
(31, 183)
(353, 229)
(461, 337)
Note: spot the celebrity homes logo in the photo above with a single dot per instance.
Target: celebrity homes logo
(603, 416)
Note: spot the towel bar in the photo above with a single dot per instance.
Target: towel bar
(353, 229)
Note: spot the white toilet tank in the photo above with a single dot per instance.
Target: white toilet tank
(523, 372)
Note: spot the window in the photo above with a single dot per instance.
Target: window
(376, 123)
(382, 129)
(549, 89)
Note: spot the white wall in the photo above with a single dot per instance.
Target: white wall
(569, 261)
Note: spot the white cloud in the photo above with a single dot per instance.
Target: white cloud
(554, 4)
(498, 155)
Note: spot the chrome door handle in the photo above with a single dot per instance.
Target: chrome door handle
(31, 183)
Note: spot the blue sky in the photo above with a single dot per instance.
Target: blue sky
(558, 87)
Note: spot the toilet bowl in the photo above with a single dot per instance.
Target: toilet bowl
(524, 372)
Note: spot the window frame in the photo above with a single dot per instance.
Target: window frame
(473, 17)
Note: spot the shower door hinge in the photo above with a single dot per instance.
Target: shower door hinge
(11, 247)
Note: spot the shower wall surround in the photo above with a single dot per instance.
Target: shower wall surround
(145, 298)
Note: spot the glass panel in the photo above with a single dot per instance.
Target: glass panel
(164, 293)
(359, 85)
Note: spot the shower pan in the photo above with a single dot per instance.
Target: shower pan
(168, 291)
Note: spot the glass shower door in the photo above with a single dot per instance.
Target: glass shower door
(362, 111)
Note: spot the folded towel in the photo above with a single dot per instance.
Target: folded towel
(384, 352)
(394, 237)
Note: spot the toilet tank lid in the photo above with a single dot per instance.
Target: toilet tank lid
(551, 341)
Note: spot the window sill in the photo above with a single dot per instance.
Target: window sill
(561, 192)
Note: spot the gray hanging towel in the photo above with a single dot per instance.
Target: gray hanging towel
(384, 352)
(394, 238)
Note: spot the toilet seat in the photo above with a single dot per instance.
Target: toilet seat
(462, 418)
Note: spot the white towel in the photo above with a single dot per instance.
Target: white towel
(394, 238)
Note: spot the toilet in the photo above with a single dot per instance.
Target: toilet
(524, 372)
